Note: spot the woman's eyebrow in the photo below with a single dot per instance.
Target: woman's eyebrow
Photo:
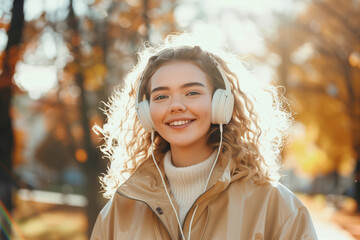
(186, 85)
(158, 89)
(191, 84)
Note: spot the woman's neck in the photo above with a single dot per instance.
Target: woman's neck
(188, 156)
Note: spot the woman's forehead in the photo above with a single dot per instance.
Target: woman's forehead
(178, 73)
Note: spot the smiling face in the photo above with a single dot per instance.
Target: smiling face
(180, 104)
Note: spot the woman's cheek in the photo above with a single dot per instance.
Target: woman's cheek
(156, 113)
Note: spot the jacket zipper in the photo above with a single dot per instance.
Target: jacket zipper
(194, 205)
(148, 207)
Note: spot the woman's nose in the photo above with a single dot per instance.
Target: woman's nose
(177, 106)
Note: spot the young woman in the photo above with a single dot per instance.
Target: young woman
(194, 144)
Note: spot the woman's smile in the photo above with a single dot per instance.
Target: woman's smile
(181, 123)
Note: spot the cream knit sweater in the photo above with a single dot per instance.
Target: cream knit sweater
(187, 183)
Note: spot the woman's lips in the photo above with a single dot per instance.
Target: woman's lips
(180, 123)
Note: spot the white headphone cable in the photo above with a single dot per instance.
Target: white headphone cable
(208, 179)
(163, 181)
(167, 193)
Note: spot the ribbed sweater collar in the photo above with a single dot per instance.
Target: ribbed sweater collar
(187, 183)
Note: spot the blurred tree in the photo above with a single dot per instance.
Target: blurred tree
(9, 59)
(320, 67)
(53, 152)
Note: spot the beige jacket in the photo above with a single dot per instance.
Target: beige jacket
(231, 208)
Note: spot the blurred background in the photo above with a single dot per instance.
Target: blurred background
(60, 59)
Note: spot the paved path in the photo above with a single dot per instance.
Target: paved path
(327, 228)
(331, 224)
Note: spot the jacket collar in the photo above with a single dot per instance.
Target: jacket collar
(145, 185)
(145, 182)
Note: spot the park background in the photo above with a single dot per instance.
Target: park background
(60, 59)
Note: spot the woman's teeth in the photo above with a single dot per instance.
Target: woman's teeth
(178, 123)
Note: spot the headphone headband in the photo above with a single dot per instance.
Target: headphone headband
(222, 72)
(138, 94)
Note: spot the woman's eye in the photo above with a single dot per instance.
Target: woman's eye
(192, 93)
(160, 97)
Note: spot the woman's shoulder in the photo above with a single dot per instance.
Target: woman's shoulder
(269, 193)
(277, 189)
(271, 201)
(285, 210)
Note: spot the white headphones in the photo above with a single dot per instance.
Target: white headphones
(221, 109)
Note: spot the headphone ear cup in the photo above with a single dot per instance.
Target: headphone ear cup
(145, 117)
(228, 107)
(222, 107)
(215, 106)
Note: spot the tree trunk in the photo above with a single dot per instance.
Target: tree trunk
(354, 113)
(146, 20)
(93, 166)
(357, 166)
(7, 182)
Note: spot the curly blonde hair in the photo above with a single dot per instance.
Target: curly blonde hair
(252, 139)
